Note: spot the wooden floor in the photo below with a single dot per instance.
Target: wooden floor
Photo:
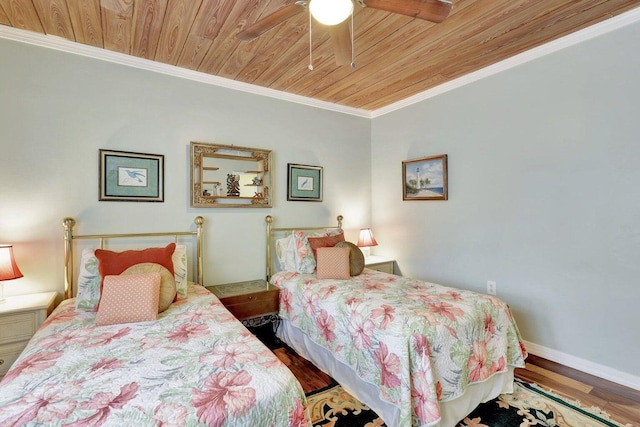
(621, 403)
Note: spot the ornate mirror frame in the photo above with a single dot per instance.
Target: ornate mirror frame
(228, 176)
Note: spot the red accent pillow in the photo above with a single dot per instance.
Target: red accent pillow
(325, 242)
(113, 263)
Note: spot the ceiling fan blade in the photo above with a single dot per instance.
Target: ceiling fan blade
(341, 40)
(429, 10)
(270, 21)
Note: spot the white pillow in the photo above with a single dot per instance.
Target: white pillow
(285, 251)
(179, 259)
(89, 280)
(303, 254)
(294, 253)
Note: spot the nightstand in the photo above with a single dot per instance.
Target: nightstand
(249, 301)
(379, 263)
(20, 317)
(255, 303)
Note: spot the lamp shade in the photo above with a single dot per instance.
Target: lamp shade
(8, 267)
(366, 238)
(331, 12)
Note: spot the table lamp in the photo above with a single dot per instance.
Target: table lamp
(366, 240)
(8, 268)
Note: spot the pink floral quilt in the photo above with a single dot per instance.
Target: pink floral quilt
(419, 343)
(195, 366)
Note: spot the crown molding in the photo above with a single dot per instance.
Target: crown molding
(580, 36)
(64, 45)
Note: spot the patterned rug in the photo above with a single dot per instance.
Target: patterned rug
(529, 405)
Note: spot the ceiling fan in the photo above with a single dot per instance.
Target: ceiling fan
(429, 10)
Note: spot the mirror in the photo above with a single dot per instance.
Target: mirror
(227, 176)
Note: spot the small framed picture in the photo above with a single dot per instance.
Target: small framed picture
(304, 183)
(131, 177)
(425, 178)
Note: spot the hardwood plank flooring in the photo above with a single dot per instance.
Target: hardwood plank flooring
(310, 377)
(621, 403)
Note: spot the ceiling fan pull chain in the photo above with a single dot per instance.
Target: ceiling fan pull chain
(310, 45)
(353, 49)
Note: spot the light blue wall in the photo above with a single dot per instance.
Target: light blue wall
(543, 195)
(57, 110)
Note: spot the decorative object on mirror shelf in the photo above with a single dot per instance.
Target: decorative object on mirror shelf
(366, 240)
(304, 183)
(425, 178)
(131, 177)
(8, 268)
(233, 185)
(246, 173)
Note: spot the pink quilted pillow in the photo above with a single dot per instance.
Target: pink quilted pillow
(129, 298)
(333, 263)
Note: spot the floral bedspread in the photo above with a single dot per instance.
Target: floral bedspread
(195, 366)
(418, 342)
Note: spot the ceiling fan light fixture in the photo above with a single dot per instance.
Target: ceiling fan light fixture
(331, 12)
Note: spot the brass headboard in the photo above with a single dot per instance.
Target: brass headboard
(272, 230)
(69, 223)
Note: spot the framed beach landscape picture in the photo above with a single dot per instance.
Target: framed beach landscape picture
(425, 178)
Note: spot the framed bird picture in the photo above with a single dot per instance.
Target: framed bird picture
(131, 177)
(304, 183)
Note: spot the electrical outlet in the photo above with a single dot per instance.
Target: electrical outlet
(491, 287)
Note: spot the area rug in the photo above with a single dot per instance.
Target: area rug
(529, 405)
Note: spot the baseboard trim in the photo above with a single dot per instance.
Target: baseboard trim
(600, 371)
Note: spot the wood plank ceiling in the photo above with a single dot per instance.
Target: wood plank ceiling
(396, 56)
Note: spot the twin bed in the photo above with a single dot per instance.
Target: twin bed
(195, 365)
(417, 353)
